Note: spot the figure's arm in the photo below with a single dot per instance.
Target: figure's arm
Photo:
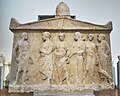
(67, 54)
(72, 51)
(81, 51)
(53, 47)
(107, 51)
(15, 51)
(96, 56)
(107, 48)
(67, 50)
(46, 50)
(49, 50)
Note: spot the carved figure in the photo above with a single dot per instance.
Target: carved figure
(61, 55)
(77, 58)
(91, 60)
(21, 54)
(103, 53)
(46, 49)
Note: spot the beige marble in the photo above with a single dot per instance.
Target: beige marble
(61, 54)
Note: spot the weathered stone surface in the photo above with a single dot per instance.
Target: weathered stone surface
(62, 10)
(61, 55)
(80, 93)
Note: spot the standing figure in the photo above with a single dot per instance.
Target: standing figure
(103, 53)
(61, 55)
(77, 58)
(21, 54)
(46, 63)
(91, 60)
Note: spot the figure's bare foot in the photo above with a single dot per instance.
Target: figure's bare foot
(45, 78)
(60, 83)
(68, 82)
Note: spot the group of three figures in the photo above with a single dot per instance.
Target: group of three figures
(82, 56)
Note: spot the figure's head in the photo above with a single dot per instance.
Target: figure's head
(119, 57)
(24, 35)
(61, 36)
(77, 35)
(90, 37)
(46, 35)
(100, 37)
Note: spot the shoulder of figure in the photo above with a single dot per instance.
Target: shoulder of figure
(18, 42)
(103, 41)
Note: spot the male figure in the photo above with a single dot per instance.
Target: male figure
(103, 53)
(21, 54)
(77, 57)
(61, 59)
(46, 49)
(91, 59)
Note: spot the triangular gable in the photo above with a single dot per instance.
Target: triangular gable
(59, 23)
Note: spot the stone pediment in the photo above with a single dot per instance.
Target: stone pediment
(61, 23)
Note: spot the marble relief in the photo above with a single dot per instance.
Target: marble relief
(60, 54)
(22, 57)
(83, 56)
(91, 60)
(46, 62)
(61, 58)
(103, 53)
(78, 58)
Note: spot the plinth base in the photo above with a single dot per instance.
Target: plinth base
(67, 89)
(80, 93)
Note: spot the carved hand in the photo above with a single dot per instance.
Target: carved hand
(67, 60)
